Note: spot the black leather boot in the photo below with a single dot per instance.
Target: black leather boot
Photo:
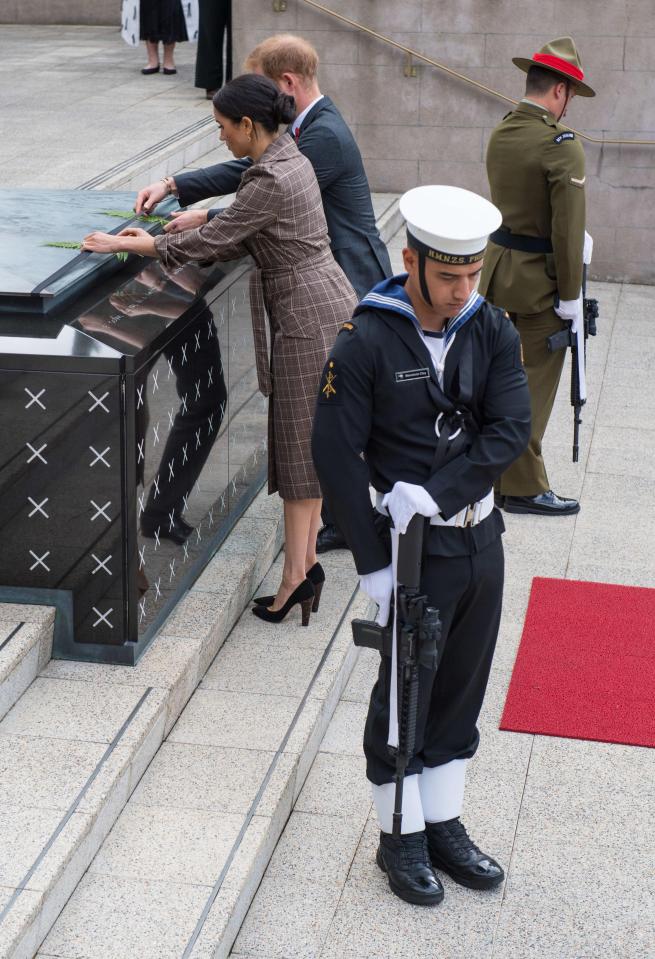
(452, 850)
(406, 862)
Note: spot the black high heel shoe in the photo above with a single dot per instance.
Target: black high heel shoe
(303, 594)
(315, 575)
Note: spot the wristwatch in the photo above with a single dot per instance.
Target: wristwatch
(169, 183)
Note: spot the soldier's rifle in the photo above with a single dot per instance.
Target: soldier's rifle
(577, 341)
(417, 637)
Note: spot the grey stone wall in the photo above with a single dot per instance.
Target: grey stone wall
(107, 12)
(434, 129)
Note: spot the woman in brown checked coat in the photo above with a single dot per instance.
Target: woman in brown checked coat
(277, 217)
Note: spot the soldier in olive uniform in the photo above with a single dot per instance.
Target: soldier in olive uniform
(533, 267)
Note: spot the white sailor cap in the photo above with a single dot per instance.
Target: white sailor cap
(448, 224)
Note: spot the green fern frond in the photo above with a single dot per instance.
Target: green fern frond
(63, 244)
(121, 214)
(122, 256)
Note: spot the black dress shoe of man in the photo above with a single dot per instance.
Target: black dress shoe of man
(452, 850)
(329, 537)
(545, 504)
(178, 531)
(406, 862)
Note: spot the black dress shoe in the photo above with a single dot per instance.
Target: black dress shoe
(406, 862)
(146, 71)
(545, 504)
(178, 531)
(315, 575)
(302, 595)
(169, 71)
(329, 537)
(452, 850)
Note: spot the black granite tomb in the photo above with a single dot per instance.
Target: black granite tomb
(129, 408)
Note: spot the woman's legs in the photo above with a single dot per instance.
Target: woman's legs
(299, 527)
(152, 49)
(169, 58)
(316, 524)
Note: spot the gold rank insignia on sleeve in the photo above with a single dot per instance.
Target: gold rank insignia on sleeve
(348, 326)
(329, 389)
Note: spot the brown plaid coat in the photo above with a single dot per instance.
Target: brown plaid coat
(278, 218)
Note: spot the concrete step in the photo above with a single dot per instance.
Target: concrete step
(187, 853)
(25, 647)
(76, 743)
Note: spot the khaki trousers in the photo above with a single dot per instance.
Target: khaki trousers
(527, 475)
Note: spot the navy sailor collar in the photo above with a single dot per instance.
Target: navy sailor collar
(390, 295)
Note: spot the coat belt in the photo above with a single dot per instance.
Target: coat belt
(258, 278)
(525, 244)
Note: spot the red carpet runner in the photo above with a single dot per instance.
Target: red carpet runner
(586, 664)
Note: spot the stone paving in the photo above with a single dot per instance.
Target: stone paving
(570, 820)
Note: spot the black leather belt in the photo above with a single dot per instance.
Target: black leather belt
(525, 244)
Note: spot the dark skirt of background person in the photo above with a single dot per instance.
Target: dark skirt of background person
(162, 21)
(215, 26)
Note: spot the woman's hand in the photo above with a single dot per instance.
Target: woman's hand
(98, 242)
(134, 231)
(186, 220)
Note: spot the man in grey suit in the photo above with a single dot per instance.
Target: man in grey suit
(324, 138)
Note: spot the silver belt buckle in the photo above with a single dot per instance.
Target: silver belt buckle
(468, 516)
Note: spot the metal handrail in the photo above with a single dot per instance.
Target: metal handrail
(280, 6)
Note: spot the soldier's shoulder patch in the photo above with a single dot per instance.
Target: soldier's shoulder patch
(562, 137)
(330, 389)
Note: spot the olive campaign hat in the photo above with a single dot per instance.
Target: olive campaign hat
(561, 57)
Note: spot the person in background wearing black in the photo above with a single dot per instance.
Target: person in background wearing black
(215, 28)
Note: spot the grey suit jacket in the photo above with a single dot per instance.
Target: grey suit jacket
(327, 142)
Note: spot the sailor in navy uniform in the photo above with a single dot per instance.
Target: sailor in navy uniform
(427, 382)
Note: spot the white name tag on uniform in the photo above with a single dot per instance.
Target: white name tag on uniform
(403, 376)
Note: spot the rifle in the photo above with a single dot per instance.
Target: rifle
(418, 632)
(577, 341)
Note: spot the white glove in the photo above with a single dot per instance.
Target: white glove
(406, 500)
(588, 248)
(378, 586)
(568, 309)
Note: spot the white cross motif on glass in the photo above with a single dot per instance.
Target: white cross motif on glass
(102, 617)
(171, 520)
(185, 501)
(198, 440)
(100, 510)
(37, 453)
(185, 455)
(35, 398)
(184, 348)
(99, 457)
(171, 566)
(158, 593)
(39, 560)
(197, 389)
(186, 552)
(101, 564)
(98, 402)
(142, 556)
(157, 543)
(210, 373)
(197, 339)
(38, 507)
(210, 424)
(155, 381)
(170, 418)
(184, 404)
(170, 369)
(142, 609)
(155, 432)
(141, 445)
(142, 497)
(156, 485)
(139, 396)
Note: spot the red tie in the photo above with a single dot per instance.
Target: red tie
(296, 134)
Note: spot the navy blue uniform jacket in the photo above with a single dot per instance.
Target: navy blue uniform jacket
(380, 396)
(328, 144)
